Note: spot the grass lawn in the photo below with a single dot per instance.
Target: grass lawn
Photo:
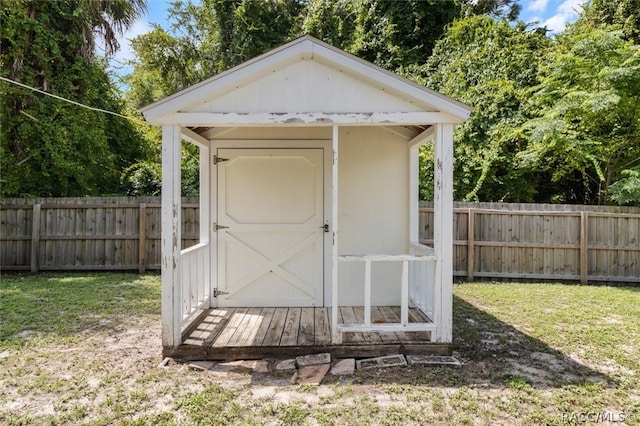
(85, 349)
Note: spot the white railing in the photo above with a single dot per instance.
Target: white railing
(422, 280)
(407, 272)
(195, 278)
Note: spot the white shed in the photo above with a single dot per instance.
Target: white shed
(308, 210)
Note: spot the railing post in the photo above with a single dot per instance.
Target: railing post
(584, 247)
(142, 238)
(35, 237)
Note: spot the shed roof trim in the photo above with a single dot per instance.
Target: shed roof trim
(303, 48)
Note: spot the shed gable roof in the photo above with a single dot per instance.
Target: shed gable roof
(306, 75)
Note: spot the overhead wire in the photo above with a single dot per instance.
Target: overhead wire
(8, 80)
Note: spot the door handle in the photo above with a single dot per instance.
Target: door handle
(325, 227)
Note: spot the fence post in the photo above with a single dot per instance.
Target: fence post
(471, 235)
(35, 237)
(584, 247)
(142, 238)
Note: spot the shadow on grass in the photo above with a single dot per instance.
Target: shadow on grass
(495, 355)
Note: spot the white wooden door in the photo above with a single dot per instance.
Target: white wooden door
(271, 253)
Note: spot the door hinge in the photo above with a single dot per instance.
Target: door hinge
(217, 292)
(217, 159)
(215, 227)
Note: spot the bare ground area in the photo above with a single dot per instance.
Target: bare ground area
(108, 373)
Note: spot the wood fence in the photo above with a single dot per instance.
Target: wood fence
(542, 241)
(509, 241)
(119, 233)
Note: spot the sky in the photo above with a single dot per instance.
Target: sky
(554, 14)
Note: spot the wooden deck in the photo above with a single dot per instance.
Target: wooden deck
(249, 333)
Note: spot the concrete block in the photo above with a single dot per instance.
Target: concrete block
(315, 359)
(262, 367)
(433, 360)
(286, 365)
(381, 362)
(201, 365)
(344, 367)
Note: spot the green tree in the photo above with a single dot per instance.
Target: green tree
(390, 34)
(587, 131)
(393, 34)
(489, 65)
(624, 13)
(49, 147)
(204, 40)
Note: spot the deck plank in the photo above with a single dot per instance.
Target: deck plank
(377, 316)
(306, 332)
(349, 317)
(391, 317)
(246, 328)
(266, 315)
(196, 329)
(206, 327)
(370, 337)
(230, 328)
(291, 327)
(276, 327)
(219, 319)
(322, 326)
(416, 316)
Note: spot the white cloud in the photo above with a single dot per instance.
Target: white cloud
(537, 6)
(566, 12)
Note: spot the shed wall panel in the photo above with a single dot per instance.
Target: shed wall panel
(307, 86)
(373, 210)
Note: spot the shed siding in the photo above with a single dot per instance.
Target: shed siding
(373, 210)
(307, 86)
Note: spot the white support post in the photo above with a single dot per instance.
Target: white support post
(213, 242)
(443, 232)
(404, 293)
(171, 238)
(336, 335)
(414, 194)
(414, 182)
(367, 292)
(205, 219)
(205, 194)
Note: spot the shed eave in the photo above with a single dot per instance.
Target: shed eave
(212, 119)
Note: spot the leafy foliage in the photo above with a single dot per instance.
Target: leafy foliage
(624, 13)
(489, 65)
(587, 131)
(391, 34)
(48, 147)
(205, 40)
